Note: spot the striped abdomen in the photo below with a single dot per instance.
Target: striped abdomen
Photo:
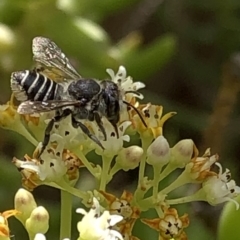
(30, 85)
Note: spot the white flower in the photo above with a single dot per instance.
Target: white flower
(50, 168)
(126, 83)
(219, 189)
(95, 226)
(114, 143)
(67, 135)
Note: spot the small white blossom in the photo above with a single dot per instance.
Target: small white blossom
(95, 226)
(126, 83)
(219, 189)
(50, 168)
(114, 143)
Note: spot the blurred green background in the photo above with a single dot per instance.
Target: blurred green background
(185, 51)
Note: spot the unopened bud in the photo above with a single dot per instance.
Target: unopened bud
(158, 153)
(129, 158)
(38, 222)
(24, 203)
(182, 152)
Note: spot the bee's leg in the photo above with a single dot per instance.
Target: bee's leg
(86, 131)
(49, 128)
(98, 120)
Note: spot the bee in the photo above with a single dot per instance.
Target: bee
(55, 85)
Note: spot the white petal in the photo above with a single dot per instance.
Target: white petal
(115, 219)
(116, 234)
(139, 85)
(31, 166)
(110, 72)
(81, 211)
(122, 72)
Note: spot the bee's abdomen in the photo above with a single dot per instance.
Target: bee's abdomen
(30, 85)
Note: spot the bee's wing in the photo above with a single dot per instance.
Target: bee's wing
(51, 61)
(30, 107)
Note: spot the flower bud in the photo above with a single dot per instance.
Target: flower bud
(158, 153)
(38, 222)
(129, 158)
(24, 203)
(182, 152)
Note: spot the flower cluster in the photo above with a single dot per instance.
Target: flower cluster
(58, 166)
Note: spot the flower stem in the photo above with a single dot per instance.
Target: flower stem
(86, 163)
(139, 193)
(156, 171)
(114, 170)
(106, 162)
(180, 181)
(197, 196)
(76, 192)
(145, 144)
(66, 215)
(167, 170)
(159, 211)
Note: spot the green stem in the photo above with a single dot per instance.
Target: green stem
(66, 215)
(159, 211)
(139, 193)
(180, 181)
(145, 144)
(167, 170)
(76, 192)
(106, 163)
(86, 163)
(145, 204)
(197, 196)
(114, 170)
(156, 172)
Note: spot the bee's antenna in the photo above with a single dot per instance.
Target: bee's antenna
(137, 111)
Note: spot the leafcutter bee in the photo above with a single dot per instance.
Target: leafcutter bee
(82, 98)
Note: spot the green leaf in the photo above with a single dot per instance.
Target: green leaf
(228, 227)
